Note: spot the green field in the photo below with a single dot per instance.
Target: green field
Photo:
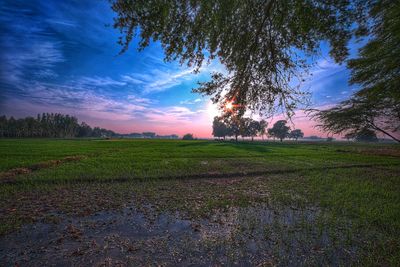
(258, 203)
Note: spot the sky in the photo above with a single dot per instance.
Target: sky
(63, 56)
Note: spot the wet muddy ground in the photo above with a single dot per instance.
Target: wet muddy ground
(134, 203)
(256, 235)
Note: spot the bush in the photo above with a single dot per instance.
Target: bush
(188, 136)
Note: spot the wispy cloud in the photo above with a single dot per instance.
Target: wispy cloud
(169, 76)
(34, 61)
(100, 81)
(157, 80)
(142, 100)
(190, 102)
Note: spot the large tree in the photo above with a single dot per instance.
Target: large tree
(220, 128)
(377, 68)
(357, 113)
(254, 128)
(263, 44)
(263, 128)
(376, 106)
(280, 130)
(296, 134)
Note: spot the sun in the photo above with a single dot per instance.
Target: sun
(229, 105)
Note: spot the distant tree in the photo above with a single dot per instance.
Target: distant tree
(174, 136)
(330, 139)
(280, 130)
(136, 135)
(234, 122)
(296, 134)
(188, 136)
(263, 128)
(314, 137)
(244, 126)
(3, 126)
(366, 135)
(149, 134)
(49, 125)
(254, 128)
(349, 136)
(220, 129)
(84, 130)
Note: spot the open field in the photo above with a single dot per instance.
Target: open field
(158, 202)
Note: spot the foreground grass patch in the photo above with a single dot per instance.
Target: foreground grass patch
(350, 194)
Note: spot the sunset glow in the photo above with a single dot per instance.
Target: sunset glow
(78, 72)
(229, 105)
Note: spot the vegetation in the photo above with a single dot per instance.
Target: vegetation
(188, 136)
(261, 43)
(231, 125)
(376, 70)
(228, 125)
(265, 54)
(49, 125)
(320, 202)
(366, 135)
(280, 130)
(351, 116)
(296, 134)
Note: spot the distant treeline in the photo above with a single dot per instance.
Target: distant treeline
(49, 125)
(149, 135)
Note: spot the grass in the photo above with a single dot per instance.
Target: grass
(355, 186)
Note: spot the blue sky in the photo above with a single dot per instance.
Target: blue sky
(62, 56)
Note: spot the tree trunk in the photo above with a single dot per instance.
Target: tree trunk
(388, 134)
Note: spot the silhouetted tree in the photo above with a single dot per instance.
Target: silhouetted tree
(376, 70)
(261, 43)
(149, 134)
(355, 114)
(263, 128)
(49, 125)
(279, 130)
(254, 128)
(220, 129)
(188, 136)
(296, 134)
(366, 135)
(349, 136)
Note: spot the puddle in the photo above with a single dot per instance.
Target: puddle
(236, 236)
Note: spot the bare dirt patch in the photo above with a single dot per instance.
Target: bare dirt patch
(9, 176)
(224, 181)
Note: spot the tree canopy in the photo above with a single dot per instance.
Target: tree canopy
(188, 136)
(366, 135)
(280, 130)
(377, 68)
(357, 113)
(220, 128)
(376, 106)
(230, 125)
(262, 44)
(49, 125)
(296, 134)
